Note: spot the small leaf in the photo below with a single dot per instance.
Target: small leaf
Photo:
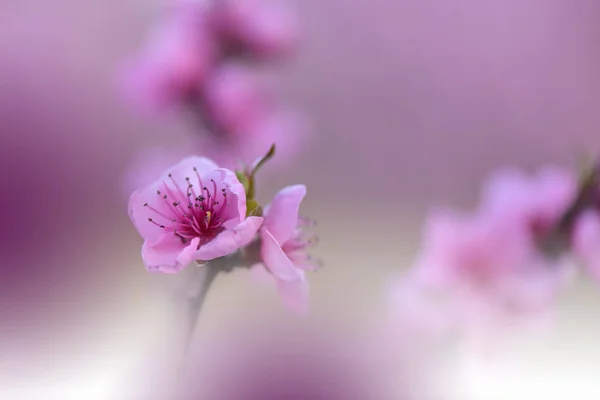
(270, 154)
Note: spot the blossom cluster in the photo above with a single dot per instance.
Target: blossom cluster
(507, 261)
(197, 211)
(200, 58)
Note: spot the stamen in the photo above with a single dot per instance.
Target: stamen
(168, 189)
(176, 185)
(157, 212)
(200, 185)
(156, 223)
(214, 191)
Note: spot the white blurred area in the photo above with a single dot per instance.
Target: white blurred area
(560, 363)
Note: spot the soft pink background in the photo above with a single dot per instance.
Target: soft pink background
(411, 102)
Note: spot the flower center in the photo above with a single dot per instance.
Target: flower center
(196, 212)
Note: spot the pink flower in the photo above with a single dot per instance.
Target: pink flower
(195, 211)
(539, 200)
(284, 249)
(174, 62)
(234, 100)
(586, 242)
(491, 261)
(258, 26)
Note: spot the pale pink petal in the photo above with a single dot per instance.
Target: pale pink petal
(276, 260)
(230, 240)
(282, 215)
(185, 168)
(586, 242)
(168, 254)
(236, 198)
(295, 294)
(139, 214)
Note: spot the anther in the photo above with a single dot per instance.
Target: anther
(176, 203)
(150, 219)
(170, 175)
(165, 196)
(145, 204)
(158, 192)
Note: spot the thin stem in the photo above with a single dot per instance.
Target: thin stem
(208, 273)
(244, 258)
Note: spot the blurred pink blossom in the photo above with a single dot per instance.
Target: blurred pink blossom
(195, 211)
(490, 264)
(284, 247)
(262, 28)
(234, 100)
(174, 61)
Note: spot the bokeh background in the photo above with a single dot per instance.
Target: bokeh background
(411, 104)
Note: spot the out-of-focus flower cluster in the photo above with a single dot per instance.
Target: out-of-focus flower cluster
(505, 263)
(197, 211)
(200, 58)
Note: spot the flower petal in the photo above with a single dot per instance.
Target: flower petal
(236, 195)
(229, 240)
(185, 168)
(295, 295)
(168, 254)
(158, 208)
(282, 214)
(276, 260)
